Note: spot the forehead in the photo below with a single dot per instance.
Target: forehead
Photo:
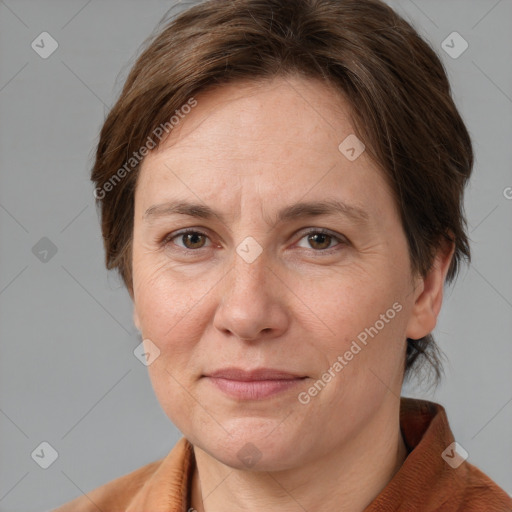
(271, 140)
(241, 116)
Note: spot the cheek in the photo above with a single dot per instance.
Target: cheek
(162, 298)
(370, 319)
(170, 316)
(164, 320)
(344, 305)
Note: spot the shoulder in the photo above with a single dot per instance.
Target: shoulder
(431, 478)
(142, 486)
(114, 495)
(479, 493)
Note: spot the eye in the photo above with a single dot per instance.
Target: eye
(191, 239)
(318, 239)
(321, 240)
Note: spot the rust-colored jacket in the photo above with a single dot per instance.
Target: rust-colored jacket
(426, 482)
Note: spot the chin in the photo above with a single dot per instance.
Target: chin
(251, 457)
(247, 450)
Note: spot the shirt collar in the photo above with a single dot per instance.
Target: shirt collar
(424, 482)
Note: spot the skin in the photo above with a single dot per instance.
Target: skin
(247, 150)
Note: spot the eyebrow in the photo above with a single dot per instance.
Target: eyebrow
(292, 212)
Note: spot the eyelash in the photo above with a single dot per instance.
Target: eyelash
(166, 240)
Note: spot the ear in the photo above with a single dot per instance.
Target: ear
(136, 320)
(429, 294)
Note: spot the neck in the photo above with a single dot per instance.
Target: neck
(353, 474)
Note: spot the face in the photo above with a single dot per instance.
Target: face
(248, 280)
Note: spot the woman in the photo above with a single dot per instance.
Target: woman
(281, 189)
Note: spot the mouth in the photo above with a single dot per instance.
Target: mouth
(255, 384)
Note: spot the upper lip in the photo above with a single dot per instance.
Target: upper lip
(255, 374)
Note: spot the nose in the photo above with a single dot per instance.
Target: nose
(252, 304)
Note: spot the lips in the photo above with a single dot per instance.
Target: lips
(254, 384)
(252, 375)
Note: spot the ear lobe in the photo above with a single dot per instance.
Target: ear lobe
(136, 320)
(429, 301)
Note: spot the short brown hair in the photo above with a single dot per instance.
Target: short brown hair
(394, 81)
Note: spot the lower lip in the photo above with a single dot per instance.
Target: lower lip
(255, 389)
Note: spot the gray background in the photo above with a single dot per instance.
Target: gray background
(68, 375)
